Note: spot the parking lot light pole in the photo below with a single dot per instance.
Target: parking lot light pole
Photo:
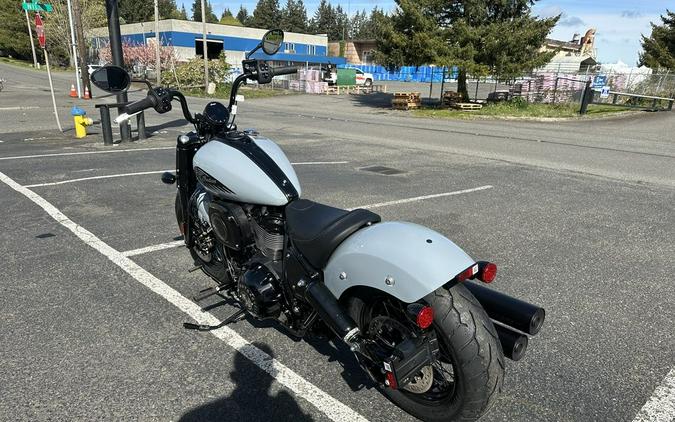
(158, 60)
(206, 55)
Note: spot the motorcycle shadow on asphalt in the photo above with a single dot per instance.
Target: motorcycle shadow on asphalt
(334, 350)
(253, 398)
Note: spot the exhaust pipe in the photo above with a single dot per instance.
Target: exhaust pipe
(514, 344)
(516, 313)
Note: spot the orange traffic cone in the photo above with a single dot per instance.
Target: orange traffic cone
(73, 92)
(86, 93)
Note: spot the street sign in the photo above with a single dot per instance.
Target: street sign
(604, 92)
(40, 29)
(37, 7)
(599, 81)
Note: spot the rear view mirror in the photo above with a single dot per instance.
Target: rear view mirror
(111, 79)
(271, 41)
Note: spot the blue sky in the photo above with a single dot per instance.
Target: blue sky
(619, 23)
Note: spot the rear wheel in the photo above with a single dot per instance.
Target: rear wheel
(368, 82)
(466, 376)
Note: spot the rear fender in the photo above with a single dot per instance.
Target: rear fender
(405, 260)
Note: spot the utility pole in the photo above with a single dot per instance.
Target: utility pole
(158, 40)
(82, 48)
(74, 48)
(32, 44)
(206, 55)
(112, 12)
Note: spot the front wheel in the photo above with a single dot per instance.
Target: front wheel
(466, 376)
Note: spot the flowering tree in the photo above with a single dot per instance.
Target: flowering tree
(141, 54)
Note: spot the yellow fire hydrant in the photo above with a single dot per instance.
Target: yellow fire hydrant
(81, 122)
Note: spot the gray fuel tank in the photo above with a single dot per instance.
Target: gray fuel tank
(227, 172)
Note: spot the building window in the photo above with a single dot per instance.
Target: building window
(289, 47)
(367, 57)
(311, 50)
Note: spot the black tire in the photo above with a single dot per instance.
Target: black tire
(368, 82)
(469, 337)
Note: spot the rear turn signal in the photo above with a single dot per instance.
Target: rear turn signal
(482, 270)
(425, 317)
(487, 272)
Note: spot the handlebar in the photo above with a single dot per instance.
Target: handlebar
(284, 70)
(140, 105)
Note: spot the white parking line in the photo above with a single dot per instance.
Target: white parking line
(62, 154)
(18, 108)
(332, 408)
(154, 248)
(308, 163)
(140, 173)
(421, 198)
(661, 405)
(108, 176)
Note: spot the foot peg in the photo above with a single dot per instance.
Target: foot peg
(204, 327)
(203, 294)
(193, 269)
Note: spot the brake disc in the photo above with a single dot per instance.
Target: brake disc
(422, 382)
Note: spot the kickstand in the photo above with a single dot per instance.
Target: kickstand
(204, 327)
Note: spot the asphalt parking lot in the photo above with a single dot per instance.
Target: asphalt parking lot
(578, 217)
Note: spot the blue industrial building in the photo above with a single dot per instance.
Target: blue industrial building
(186, 39)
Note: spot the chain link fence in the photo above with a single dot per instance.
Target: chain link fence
(560, 88)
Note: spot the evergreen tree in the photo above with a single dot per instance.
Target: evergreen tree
(294, 16)
(266, 14)
(325, 22)
(183, 13)
(341, 28)
(228, 19)
(14, 40)
(243, 16)
(478, 36)
(363, 26)
(659, 49)
(167, 10)
(132, 11)
(197, 12)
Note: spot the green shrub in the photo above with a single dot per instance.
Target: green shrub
(191, 73)
(519, 103)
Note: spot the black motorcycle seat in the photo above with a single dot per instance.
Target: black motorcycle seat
(317, 229)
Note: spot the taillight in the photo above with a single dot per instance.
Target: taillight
(487, 272)
(425, 317)
(469, 273)
(390, 381)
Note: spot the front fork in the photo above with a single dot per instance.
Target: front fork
(186, 148)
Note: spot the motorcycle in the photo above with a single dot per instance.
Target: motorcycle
(399, 295)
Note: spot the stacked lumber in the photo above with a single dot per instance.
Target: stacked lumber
(406, 100)
(451, 97)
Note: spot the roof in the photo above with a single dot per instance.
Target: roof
(563, 44)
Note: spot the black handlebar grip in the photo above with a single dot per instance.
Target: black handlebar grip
(140, 105)
(284, 70)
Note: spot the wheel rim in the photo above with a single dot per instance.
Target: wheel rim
(442, 386)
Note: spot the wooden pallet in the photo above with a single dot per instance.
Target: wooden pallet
(404, 105)
(467, 106)
(406, 100)
(407, 95)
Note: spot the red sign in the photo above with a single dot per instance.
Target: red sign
(40, 29)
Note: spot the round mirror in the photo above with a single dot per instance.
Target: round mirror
(111, 79)
(271, 41)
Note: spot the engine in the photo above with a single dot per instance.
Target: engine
(257, 292)
(241, 243)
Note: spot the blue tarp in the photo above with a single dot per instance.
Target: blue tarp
(408, 73)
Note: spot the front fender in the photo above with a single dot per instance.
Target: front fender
(417, 259)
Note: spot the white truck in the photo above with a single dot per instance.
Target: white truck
(362, 78)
